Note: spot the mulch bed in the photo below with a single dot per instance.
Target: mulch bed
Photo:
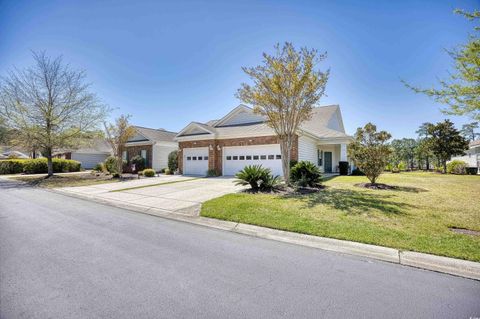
(376, 186)
(465, 231)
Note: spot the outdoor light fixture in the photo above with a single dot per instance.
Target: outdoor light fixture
(218, 148)
(210, 147)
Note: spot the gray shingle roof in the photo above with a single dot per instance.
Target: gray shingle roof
(323, 124)
(156, 135)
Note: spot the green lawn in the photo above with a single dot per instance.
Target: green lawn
(66, 180)
(416, 216)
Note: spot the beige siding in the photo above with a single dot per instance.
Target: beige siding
(243, 118)
(160, 156)
(307, 149)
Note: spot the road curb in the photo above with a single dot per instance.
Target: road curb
(452, 266)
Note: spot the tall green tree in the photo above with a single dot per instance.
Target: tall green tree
(370, 151)
(49, 105)
(404, 150)
(446, 141)
(423, 151)
(468, 131)
(286, 87)
(461, 92)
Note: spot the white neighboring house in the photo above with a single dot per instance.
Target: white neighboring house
(88, 156)
(471, 157)
(243, 138)
(154, 145)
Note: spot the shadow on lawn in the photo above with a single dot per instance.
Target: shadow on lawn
(355, 202)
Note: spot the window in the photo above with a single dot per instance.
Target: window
(279, 156)
(248, 157)
(242, 158)
(255, 157)
(271, 157)
(235, 158)
(143, 154)
(194, 158)
(205, 158)
(199, 158)
(124, 156)
(229, 158)
(263, 157)
(319, 153)
(189, 158)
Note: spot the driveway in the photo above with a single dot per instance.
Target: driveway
(173, 193)
(62, 257)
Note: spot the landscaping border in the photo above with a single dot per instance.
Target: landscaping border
(452, 266)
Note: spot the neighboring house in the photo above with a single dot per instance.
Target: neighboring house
(15, 154)
(243, 138)
(90, 155)
(472, 156)
(153, 145)
(18, 152)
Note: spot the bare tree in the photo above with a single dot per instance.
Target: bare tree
(117, 135)
(49, 105)
(286, 87)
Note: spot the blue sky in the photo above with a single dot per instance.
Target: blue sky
(169, 63)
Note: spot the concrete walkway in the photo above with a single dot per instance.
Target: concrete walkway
(179, 194)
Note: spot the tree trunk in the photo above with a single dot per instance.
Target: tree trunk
(285, 150)
(49, 162)
(428, 163)
(444, 167)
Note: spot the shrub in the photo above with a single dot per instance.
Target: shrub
(293, 163)
(305, 173)
(213, 173)
(167, 171)
(472, 170)
(111, 165)
(357, 172)
(269, 182)
(100, 167)
(402, 166)
(139, 162)
(173, 161)
(457, 167)
(148, 172)
(11, 166)
(36, 166)
(257, 177)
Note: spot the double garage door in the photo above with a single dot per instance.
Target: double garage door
(235, 158)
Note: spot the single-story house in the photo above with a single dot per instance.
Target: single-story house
(89, 155)
(154, 145)
(472, 156)
(243, 138)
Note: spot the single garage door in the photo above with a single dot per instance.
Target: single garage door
(235, 158)
(89, 160)
(195, 161)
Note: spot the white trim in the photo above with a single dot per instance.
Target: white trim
(141, 143)
(194, 124)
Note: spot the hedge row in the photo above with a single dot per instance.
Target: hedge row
(37, 166)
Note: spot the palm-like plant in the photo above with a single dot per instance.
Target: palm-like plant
(257, 177)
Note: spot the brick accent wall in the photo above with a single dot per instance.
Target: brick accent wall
(137, 149)
(215, 155)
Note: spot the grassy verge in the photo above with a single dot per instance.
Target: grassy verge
(151, 185)
(416, 216)
(65, 180)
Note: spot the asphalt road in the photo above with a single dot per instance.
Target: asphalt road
(62, 257)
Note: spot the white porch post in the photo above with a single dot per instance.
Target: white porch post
(343, 152)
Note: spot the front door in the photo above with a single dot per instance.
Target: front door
(328, 162)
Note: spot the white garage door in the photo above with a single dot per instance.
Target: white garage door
(235, 158)
(89, 160)
(195, 161)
